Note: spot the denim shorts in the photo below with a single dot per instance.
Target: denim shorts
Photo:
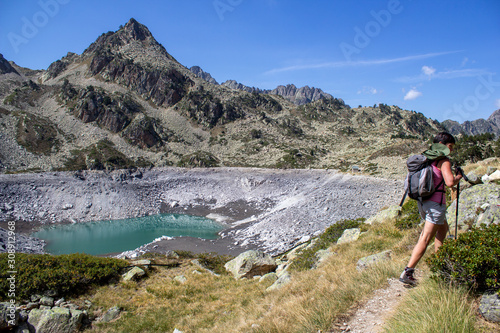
(433, 212)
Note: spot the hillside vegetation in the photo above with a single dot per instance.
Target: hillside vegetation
(126, 90)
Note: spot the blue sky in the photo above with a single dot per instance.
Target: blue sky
(440, 58)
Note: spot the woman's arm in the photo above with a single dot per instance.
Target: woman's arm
(449, 179)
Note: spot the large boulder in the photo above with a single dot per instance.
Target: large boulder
(390, 213)
(349, 235)
(366, 262)
(134, 274)
(56, 320)
(111, 314)
(471, 204)
(251, 263)
(283, 280)
(474, 178)
(491, 215)
(489, 307)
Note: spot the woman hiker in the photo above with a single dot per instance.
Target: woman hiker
(433, 210)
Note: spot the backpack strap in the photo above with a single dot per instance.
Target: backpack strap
(443, 191)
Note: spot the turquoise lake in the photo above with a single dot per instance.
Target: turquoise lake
(112, 236)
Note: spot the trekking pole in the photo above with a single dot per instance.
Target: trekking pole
(461, 172)
(456, 213)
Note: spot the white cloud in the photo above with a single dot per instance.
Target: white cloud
(445, 75)
(412, 94)
(368, 91)
(497, 103)
(343, 64)
(428, 70)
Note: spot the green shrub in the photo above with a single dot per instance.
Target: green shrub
(409, 218)
(214, 261)
(69, 274)
(307, 259)
(472, 260)
(200, 159)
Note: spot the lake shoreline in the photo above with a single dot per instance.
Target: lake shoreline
(267, 209)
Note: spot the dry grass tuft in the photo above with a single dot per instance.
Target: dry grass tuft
(434, 307)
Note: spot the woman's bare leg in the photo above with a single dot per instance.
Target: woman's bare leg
(440, 235)
(426, 236)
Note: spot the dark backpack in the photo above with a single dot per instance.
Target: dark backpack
(419, 182)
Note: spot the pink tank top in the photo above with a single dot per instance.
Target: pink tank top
(437, 176)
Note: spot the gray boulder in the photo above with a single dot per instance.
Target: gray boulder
(269, 277)
(366, 262)
(489, 307)
(251, 263)
(46, 300)
(111, 314)
(490, 170)
(349, 235)
(470, 202)
(390, 213)
(491, 215)
(134, 274)
(474, 178)
(495, 175)
(56, 320)
(283, 280)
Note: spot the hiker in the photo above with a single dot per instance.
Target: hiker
(433, 210)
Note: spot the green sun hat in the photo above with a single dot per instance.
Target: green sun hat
(437, 151)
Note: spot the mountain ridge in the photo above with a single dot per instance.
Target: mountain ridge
(474, 127)
(126, 102)
(298, 96)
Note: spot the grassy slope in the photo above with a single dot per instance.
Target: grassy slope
(310, 303)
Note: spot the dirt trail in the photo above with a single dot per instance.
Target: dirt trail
(370, 316)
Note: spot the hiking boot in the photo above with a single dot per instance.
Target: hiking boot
(407, 276)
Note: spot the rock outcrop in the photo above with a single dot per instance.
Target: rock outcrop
(477, 205)
(489, 307)
(251, 263)
(373, 259)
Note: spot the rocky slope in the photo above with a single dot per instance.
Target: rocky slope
(126, 102)
(268, 209)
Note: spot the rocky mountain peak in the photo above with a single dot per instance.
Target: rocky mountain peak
(133, 41)
(298, 96)
(137, 31)
(495, 118)
(5, 66)
(196, 70)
